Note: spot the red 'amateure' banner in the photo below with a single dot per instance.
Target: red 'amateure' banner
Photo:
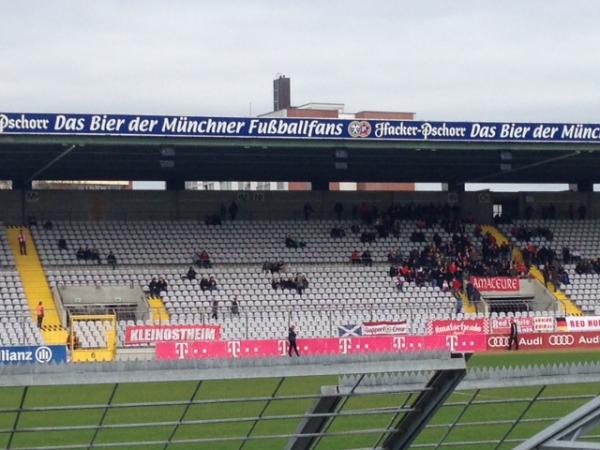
(496, 284)
(456, 327)
(325, 346)
(541, 341)
(149, 334)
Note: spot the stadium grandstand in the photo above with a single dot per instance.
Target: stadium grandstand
(135, 319)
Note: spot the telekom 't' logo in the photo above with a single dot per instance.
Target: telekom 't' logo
(181, 348)
(282, 347)
(234, 348)
(345, 345)
(451, 342)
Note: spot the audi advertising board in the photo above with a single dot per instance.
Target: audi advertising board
(33, 354)
(545, 341)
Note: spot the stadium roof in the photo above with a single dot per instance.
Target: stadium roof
(321, 150)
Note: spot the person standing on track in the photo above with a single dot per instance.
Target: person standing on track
(514, 335)
(292, 341)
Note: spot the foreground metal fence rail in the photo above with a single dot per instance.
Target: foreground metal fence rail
(317, 403)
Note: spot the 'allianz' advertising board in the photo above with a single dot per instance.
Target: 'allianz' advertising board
(33, 354)
(292, 128)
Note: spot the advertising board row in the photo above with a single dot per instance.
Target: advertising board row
(324, 346)
(18, 123)
(492, 325)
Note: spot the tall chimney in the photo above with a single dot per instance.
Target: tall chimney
(281, 93)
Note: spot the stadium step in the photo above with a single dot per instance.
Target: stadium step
(468, 307)
(158, 310)
(498, 235)
(35, 286)
(568, 306)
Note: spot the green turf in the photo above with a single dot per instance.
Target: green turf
(246, 403)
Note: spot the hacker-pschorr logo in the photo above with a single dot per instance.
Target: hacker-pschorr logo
(3, 122)
(359, 129)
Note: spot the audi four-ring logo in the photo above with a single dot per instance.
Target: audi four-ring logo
(497, 341)
(557, 340)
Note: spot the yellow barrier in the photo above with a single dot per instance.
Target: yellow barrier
(101, 354)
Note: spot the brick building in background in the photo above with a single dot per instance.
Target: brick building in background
(282, 108)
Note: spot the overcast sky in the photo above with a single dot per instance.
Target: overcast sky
(473, 60)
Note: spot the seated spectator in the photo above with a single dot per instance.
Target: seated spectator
(294, 243)
(94, 255)
(355, 229)
(153, 287)
(161, 285)
(212, 283)
(393, 271)
(191, 274)
(212, 220)
(234, 309)
(338, 208)
(301, 283)
(215, 310)
(203, 259)
(355, 258)
(80, 253)
(47, 225)
(289, 242)
(337, 233)
(204, 283)
(62, 245)
(273, 267)
(456, 286)
(417, 236)
(399, 281)
(308, 210)
(445, 286)
(459, 304)
(111, 259)
(366, 258)
(288, 283)
(367, 237)
(275, 283)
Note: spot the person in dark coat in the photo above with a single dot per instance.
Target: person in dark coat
(292, 341)
(215, 310)
(514, 335)
(233, 210)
